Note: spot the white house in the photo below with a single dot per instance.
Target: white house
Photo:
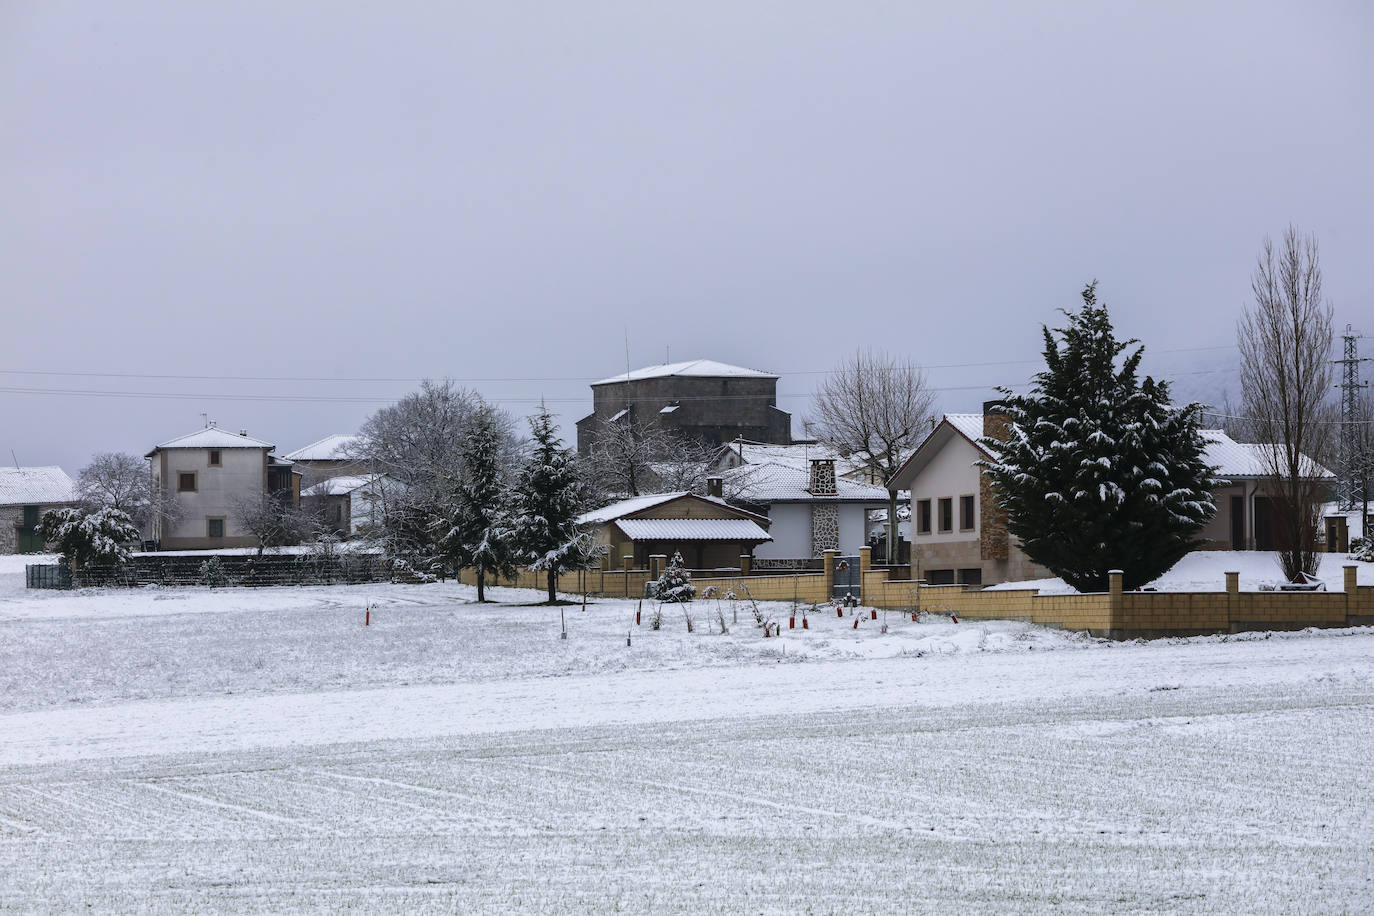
(959, 535)
(336, 455)
(210, 474)
(350, 504)
(25, 494)
(810, 510)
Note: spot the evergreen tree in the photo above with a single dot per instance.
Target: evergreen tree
(1098, 471)
(675, 584)
(477, 532)
(85, 539)
(549, 497)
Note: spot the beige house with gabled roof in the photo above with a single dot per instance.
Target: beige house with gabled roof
(210, 474)
(958, 534)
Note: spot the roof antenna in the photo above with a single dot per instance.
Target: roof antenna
(667, 354)
(627, 351)
(16, 459)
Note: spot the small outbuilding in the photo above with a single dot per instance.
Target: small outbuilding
(25, 494)
(709, 533)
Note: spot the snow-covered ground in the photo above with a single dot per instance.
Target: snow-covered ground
(1205, 571)
(235, 750)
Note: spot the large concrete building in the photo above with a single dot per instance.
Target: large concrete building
(711, 402)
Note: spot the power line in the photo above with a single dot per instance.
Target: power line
(76, 373)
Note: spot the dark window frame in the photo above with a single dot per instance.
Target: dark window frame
(968, 511)
(923, 516)
(216, 458)
(945, 514)
(210, 526)
(195, 481)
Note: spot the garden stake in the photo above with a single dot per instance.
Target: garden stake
(565, 624)
(856, 623)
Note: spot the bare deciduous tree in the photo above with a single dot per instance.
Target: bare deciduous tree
(874, 407)
(119, 480)
(1286, 382)
(273, 521)
(417, 443)
(631, 459)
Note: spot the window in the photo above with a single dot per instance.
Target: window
(186, 481)
(971, 576)
(939, 576)
(947, 514)
(214, 458)
(965, 513)
(923, 516)
(30, 517)
(214, 527)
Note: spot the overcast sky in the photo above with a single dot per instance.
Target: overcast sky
(499, 192)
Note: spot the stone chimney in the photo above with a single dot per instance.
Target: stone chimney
(822, 477)
(992, 521)
(715, 487)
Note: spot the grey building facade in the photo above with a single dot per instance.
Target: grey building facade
(713, 403)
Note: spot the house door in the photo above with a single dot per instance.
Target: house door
(1237, 522)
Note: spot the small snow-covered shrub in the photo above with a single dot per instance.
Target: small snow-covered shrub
(1362, 549)
(212, 573)
(675, 584)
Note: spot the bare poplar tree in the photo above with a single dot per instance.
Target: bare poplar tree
(875, 407)
(1286, 380)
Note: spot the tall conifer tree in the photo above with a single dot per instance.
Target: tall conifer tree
(549, 497)
(1098, 470)
(478, 531)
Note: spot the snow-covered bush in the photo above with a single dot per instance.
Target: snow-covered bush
(675, 584)
(1362, 549)
(212, 573)
(98, 538)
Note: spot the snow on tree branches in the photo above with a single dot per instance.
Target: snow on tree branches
(477, 531)
(1098, 471)
(674, 585)
(549, 496)
(97, 538)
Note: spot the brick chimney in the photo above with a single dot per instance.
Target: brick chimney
(992, 521)
(715, 487)
(822, 477)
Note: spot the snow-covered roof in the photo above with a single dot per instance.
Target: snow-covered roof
(699, 368)
(692, 529)
(970, 424)
(212, 437)
(338, 447)
(337, 486)
(627, 507)
(1247, 459)
(35, 486)
(776, 483)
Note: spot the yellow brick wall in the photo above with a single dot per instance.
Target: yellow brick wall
(808, 589)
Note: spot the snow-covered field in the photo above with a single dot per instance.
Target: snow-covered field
(235, 750)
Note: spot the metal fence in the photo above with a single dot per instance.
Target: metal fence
(47, 575)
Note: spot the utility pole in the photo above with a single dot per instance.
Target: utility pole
(1349, 484)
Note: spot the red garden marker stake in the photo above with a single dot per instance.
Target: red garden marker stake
(875, 614)
(856, 623)
(954, 618)
(791, 623)
(805, 624)
(839, 611)
(367, 618)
